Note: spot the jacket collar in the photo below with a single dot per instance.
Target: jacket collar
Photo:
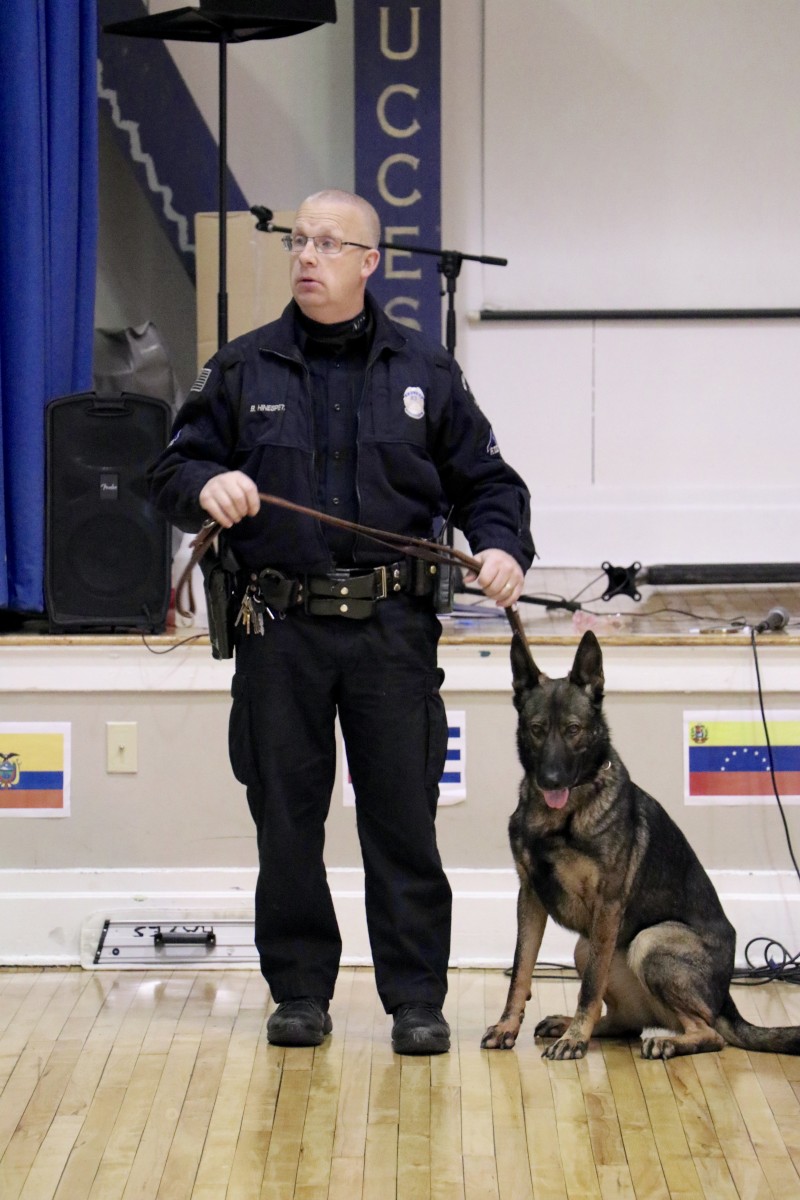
(279, 337)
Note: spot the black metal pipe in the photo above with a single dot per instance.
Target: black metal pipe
(708, 574)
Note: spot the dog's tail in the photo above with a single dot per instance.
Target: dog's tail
(778, 1039)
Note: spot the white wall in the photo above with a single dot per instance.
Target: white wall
(653, 161)
(645, 155)
(176, 836)
(641, 440)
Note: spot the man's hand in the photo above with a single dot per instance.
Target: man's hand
(229, 497)
(500, 577)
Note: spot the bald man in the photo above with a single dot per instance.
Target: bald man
(337, 408)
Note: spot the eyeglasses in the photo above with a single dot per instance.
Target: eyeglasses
(295, 243)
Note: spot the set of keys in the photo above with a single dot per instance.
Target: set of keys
(252, 610)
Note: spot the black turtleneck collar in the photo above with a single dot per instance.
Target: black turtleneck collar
(338, 335)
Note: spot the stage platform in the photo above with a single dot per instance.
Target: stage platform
(173, 839)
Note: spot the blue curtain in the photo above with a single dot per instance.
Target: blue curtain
(48, 238)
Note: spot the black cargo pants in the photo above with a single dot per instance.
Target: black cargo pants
(381, 676)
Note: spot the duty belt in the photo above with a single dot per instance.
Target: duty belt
(419, 549)
(351, 593)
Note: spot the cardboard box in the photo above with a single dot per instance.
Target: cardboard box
(257, 270)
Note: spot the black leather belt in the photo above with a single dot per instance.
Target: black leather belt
(351, 592)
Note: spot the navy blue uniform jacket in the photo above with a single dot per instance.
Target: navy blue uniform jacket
(423, 446)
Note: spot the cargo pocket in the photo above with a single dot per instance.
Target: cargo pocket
(240, 733)
(437, 730)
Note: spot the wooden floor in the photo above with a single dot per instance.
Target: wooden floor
(153, 1084)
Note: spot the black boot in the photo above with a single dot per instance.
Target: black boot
(420, 1029)
(301, 1022)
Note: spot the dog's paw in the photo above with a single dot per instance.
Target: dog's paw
(659, 1047)
(552, 1027)
(501, 1036)
(566, 1048)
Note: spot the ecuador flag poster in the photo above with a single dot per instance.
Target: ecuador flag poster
(730, 760)
(34, 769)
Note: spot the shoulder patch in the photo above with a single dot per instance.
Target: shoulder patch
(492, 446)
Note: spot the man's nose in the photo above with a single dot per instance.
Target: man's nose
(309, 251)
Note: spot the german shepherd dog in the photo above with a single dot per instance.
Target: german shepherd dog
(603, 858)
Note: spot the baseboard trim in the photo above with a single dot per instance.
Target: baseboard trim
(53, 917)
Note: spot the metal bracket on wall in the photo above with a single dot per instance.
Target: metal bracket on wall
(622, 581)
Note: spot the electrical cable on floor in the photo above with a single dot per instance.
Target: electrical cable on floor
(769, 753)
(562, 972)
(786, 968)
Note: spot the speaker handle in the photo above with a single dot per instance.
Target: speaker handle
(110, 406)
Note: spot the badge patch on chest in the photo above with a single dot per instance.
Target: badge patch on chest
(414, 402)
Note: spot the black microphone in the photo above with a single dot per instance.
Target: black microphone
(264, 215)
(776, 618)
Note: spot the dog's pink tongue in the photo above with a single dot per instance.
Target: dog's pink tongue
(556, 799)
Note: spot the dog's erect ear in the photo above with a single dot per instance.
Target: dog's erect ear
(587, 669)
(524, 670)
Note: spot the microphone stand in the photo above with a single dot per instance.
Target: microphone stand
(212, 23)
(449, 265)
(264, 220)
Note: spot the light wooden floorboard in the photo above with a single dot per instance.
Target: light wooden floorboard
(138, 1085)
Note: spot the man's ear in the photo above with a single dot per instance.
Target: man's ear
(370, 263)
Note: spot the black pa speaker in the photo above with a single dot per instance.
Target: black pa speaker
(108, 552)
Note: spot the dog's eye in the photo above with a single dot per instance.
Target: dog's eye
(572, 730)
(537, 730)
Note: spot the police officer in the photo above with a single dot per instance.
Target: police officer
(336, 407)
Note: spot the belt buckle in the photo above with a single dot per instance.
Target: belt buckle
(382, 580)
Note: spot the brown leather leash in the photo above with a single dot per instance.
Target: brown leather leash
(435, 552)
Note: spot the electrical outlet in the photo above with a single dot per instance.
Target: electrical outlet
(121, 747)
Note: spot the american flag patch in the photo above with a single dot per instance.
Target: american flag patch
(201, 380)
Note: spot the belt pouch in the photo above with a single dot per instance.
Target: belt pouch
(328, 606)
(426, 577)
(346, 586)
(342, 595)
(444, 584)
(277, 590)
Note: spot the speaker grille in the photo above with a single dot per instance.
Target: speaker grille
(107, 549)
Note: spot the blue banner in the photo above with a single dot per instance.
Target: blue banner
(175, 161)
(398, 150)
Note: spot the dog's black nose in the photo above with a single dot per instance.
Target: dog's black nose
(548, 780)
